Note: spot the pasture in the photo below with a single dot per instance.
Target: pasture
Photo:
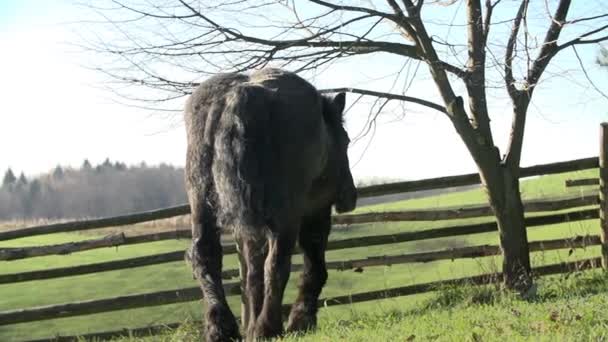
(405, 316)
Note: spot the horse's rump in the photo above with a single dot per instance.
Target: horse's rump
(241, 166)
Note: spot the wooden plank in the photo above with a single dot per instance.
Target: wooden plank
(108, 241)
(154, 259)
(460, 253)
(369, 191)
(582, 182)
(96, 223)
(364, 241)
(461, 212)
(61, 249)
(451, 253)
(192, 294)
(139, 300)
(473, 178)
(538, 205)
(467, 229)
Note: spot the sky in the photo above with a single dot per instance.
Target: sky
(54, 111)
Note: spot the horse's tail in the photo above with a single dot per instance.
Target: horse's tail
(242, 147)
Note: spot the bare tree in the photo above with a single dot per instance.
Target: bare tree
(502, 45)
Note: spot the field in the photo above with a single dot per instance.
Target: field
(422, 316)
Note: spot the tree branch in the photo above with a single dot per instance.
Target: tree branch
(488, 19)
(549, 48)
(579, 40)
(476, 82)
(357, 45)
(353, 9)
(509, 53)
(520, 105)
(388, 96)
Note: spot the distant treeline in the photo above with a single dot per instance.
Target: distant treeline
(110, 188)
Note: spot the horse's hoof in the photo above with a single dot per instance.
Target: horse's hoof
(301, 321)
(263, 330)
(221, 325)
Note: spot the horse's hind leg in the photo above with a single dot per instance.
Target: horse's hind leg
(276, 274)
(207, 267)
(252, 253)
(313, 241)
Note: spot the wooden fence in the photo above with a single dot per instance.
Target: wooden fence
(566, 209)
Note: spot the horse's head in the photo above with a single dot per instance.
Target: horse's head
(345, 191)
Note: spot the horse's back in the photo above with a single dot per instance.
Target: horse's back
(257, 140)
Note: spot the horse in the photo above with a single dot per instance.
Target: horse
(266, 159)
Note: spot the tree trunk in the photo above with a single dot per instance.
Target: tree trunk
(502, 185)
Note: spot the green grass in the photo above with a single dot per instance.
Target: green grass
(176, 275)
(566, 308)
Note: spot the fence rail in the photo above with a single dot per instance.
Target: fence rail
(554, 204)
(483, 279)
(582, 182)
(193, 293)
(451, 253)
(369, 191)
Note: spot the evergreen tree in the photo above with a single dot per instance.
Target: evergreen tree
(58, 172)
(107, 163)
(22, 180)
(86, 165)
(9, 178)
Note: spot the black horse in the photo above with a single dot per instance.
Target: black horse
(267, 159)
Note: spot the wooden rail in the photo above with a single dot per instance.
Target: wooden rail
(473, 178)
(191, 294)
(470, 211)
(139, 300)
(364, 241)
(554, 204)
(369, 191)
(97, 223)
(582, 182)
(447, 254)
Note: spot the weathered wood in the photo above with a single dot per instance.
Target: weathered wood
(559, 167)
(603, 161)
(108, 241)
(467, 229)
(191, 294)
(377, 239)
(451, 253)
(369, 191)
(582, 182)
(461, 212)
(61, 249)
(460, 253)
(51, 273)
(108, 304)
(540, 205)
(473, 178)
(97, 223)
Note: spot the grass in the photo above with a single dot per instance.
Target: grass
(567, 308)
(177, 275)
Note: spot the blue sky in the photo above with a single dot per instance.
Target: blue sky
(53, 112)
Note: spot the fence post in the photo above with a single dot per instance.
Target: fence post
(603, 162)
